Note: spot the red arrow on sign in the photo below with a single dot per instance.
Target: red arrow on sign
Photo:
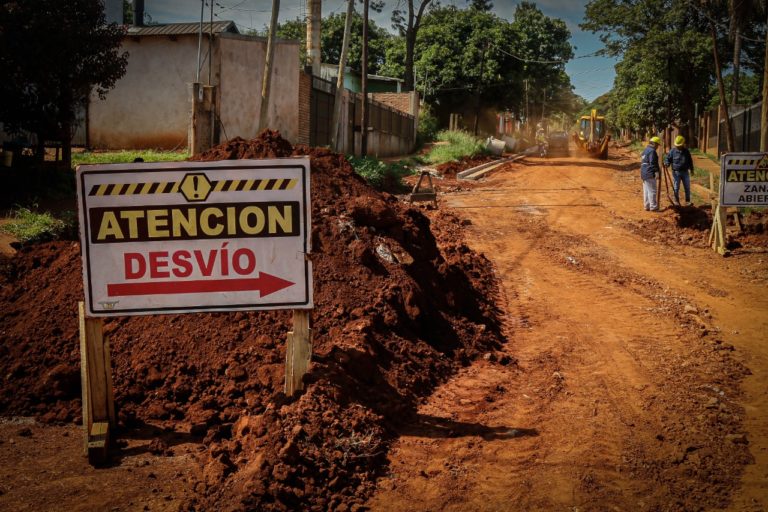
(265, 284)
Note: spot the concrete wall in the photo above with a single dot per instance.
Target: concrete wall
(402, 101)
(150, 106)
(305, 92)
(239, 95)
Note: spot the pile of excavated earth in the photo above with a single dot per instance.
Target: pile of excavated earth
(401, 303)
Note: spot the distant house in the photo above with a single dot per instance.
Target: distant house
(150, 106)
(353, 79)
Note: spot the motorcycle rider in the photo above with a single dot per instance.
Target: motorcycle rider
(541, 140)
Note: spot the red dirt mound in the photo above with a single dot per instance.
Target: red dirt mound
(464, 163)
(401, 302)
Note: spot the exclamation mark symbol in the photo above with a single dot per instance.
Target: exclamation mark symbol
(196, 186)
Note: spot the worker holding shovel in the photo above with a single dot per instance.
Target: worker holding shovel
(679, 158)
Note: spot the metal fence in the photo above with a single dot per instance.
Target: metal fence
(383, 120)
(322, 99)
(746, 129)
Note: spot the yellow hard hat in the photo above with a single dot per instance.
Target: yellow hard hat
(679, 140)
(655, 140)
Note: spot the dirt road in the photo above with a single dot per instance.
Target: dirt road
(640, 382)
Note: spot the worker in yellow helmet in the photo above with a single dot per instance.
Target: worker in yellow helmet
(649, 168)
(679, 159)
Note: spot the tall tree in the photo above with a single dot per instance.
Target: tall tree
(332, 38)
(461, 51)
(53, 54)
(667, 59)
(481, 5)
(407, 20)
(741, 14)
(542, 47)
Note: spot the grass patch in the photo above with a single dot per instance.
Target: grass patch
(698, 152)
(29, 226)
(127, 156)
(701, 177)
(637, 146)
(459, 144)
(382, 176)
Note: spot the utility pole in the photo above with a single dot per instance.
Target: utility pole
(526, 101)
(266, 81)
(200, 41)
(210, 73)
(210, 51)
(314, 8)
(364, 85)
(479, 88)
(337, 105)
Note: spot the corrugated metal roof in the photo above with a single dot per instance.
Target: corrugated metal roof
(179, 29)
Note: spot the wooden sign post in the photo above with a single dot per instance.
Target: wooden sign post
(717, 238)
(298, 352)
(96, 381)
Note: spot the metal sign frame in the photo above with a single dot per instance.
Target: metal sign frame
(179, 237)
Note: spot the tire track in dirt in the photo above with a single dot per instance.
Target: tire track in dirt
(602, 414)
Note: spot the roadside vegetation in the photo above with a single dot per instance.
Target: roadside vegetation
(30, 226)
(383, 176)
(666, 70)
(456, 144)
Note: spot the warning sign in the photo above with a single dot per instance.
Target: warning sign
(744, 179)
(195, 236)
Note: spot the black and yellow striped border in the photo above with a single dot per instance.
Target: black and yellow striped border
(743, 161)
(172, 187)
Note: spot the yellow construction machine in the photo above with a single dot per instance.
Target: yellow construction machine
(593, 135)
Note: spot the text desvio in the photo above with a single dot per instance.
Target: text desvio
(183, 263)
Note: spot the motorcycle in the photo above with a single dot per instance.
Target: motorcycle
(543, 149)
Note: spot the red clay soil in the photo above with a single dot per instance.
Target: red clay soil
(401, 303)
(464, 163)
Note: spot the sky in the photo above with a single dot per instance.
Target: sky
(590, 76)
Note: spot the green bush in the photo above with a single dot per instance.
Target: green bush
(428, 126)
(31, 227)
(459, 144)
(380, 175)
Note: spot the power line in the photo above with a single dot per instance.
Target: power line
(534, 61)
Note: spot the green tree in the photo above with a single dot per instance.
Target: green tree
(482, 5)
(743, 30)
(332, 35)
(407, 20)
(463, 52)
(543, 44)
(666, 65)
(53, 54)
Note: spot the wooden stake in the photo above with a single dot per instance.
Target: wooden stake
(298, 352)
(84, 378)
(717, 234)
(96, 380)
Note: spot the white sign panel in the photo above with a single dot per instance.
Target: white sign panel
(181, 237)
(744, 179)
